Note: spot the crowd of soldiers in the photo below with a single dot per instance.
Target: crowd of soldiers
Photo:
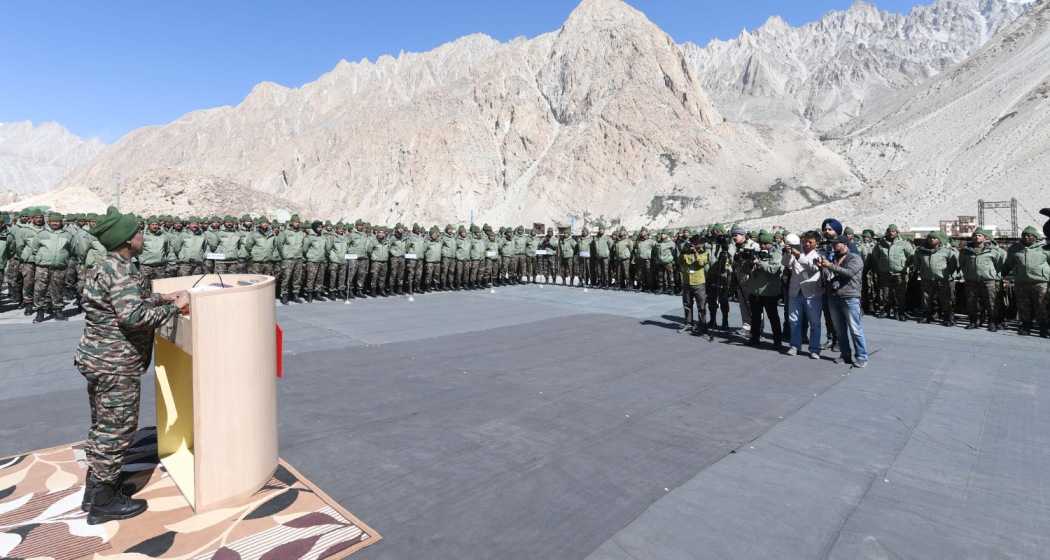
(48, 257)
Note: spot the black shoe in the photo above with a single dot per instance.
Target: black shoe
(39, 316)
(110, 503)
(28, 309)
(297, 299)
(58, 315)
(284, 300)
(89, 491)
(971, 326)
(993, 328)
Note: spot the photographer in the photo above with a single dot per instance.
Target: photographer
(692, 261)
(805, 293)
(764, 288)
(742, 252)
(844, 274)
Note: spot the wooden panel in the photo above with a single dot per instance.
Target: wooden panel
(235, 391)
(174, 382)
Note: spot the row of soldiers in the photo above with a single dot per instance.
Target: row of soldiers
(48, 259)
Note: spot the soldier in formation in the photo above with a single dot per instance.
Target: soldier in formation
(924, 279)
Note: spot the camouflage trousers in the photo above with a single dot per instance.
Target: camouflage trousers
(361, 268)
(601, 272)
(566, 270)
(292, 278)
(622, 273)
(982, 299)
(462, 274)
(48, 286)
(396, 276)
(413, 275)
(1031, 301)
(870, 291)
(263, 268)
(114, 401)
(149, 272)
(938, 295)
(336, 281)
(448, 271)
(644, 274)
(491, 273)
(72, 271)
(82, 276)
(226, 267)
(583, 270)
(893, 291)
(509, 269)
(550, 268)
(475, 272)
(314, 281)
(379, 270)
(28, 275)
(14, 280)
(189, 269)
(529, 271)
(431, 276)
(665, 277)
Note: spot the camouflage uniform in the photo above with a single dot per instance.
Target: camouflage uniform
(114, 352)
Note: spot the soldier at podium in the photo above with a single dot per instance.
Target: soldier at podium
(114, 352)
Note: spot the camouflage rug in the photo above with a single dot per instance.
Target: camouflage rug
(290, 518)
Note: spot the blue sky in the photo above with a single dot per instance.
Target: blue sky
(102, 69)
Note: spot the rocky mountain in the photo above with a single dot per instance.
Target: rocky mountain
(826, 73)
(34, 158)
(604, 118)
(979, 130)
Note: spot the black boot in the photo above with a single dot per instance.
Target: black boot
(971, 326)
(284, 299)
(28, 309)
(57, 314)
(89, 490)
(39, 316)
(1024, 330)
(1044, 330)
(111, 503)
(725, 321)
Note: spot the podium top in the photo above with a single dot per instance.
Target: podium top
(207, 285)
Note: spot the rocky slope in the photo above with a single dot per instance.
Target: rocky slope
(826, 73)
(34, 158)
(603, 118)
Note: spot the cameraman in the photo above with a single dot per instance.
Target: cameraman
(692, 261)
(764, 289)
(742, 251)
(805, 293)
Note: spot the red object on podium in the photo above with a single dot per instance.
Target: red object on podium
(280, 351)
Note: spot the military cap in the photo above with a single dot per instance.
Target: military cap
(848, 231)
(34, 212)
(54, 217)
(246, 218)
(1030, 230)
(294, 218)
(892, 227)
(867, 233)
(982, 231)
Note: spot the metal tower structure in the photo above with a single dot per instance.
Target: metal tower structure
(983, 205)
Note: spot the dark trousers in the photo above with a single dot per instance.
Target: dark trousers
(644, 274)
(361, 268)
(49, 284)
(566, 271)
(694, 296)
(982, 299)
(893, 291)
(432, 276)
(937, 295)
(396, 279)
(718, 298)
(413, 275)
(583, 270)
(379, 269)
(768, 304)
(601, 272)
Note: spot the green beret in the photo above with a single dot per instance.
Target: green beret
(982, 231)
(34, 212)
(892, 227)
(115, 228)
(765, 237)
(54, 217)
(848, 231)
(1030, 230)
(294, 218)
(246, 218)
(868, 233)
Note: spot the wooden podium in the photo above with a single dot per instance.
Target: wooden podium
(217, 389)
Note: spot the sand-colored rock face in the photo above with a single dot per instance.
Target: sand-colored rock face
(34, 158)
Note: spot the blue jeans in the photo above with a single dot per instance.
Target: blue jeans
(808, 309)
(845, 315)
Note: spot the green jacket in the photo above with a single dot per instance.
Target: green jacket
(380, 251)
(3, 251)
(507, 247)
(92, 250)
(360, 244)
(623, 249)
(531, 244)
(765, 278)
(665, 251)
(448, 246)
(434, 250)
(583, 245)
(693, 266)
(174, 245)
(603, 245)
(893, 258)
(1029, 265)
(225, 243)
(315, 247)
(397, 247)
(519, 244)
(463, 248)
(154, 249)
(291, 244)
(643, 248)
(478, 246)
(338, 247)
(260, 247)
(941, 264)
(492, 248)
(51, 248)
(566, 247)
(192, 247)
(24, 235)
(416, 245)
(983, 263)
